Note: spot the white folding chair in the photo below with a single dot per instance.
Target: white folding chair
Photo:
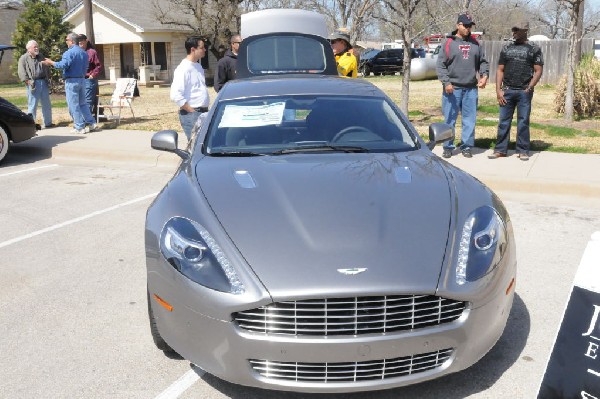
(154, 72)
(122, 97)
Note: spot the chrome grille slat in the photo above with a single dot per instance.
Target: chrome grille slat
(351, 371)
(350, 316)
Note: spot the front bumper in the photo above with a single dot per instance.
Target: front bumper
(226, 351)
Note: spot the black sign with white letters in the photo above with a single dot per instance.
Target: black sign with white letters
(574, 367)
(573, 370)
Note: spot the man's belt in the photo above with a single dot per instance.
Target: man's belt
(201, 109)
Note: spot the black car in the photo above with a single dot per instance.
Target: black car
(386, 62)
(15, 125)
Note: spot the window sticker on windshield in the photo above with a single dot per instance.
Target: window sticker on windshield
(252, 115)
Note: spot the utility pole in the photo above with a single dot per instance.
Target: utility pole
(89, 22)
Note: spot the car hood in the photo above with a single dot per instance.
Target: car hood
(348, 223)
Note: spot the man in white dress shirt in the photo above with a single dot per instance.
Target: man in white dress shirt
(188, 89)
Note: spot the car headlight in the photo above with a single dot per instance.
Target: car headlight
(482, 245)
(190, 249)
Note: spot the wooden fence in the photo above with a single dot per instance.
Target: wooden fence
(554, 53)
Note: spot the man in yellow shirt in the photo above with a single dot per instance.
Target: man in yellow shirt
(346, 61)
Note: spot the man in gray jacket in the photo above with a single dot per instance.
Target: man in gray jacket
(36, 77)
(460, 59)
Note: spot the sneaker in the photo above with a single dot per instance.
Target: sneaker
(78, 131)
(497, 155)
(48, 126)
(91, 128)
(467, 152)
(447, 153)
(524, 157)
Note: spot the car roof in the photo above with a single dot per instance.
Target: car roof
(298, 84)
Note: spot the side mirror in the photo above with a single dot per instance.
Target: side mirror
(166, 140)
(438, 133)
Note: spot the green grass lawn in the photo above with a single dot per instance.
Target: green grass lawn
(154, 111)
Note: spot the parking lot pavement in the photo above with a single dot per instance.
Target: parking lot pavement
(73, 317)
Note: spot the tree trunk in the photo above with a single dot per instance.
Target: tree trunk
(404, 99)
(574, 40)
(579, 30)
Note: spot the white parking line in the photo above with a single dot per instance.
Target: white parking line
(27, 170)
(72, 221)
(182, 384)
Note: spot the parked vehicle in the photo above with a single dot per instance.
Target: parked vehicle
(15, 125)
(385, 62)
(311, 241)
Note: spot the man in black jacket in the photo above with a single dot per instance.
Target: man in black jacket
(226, 66)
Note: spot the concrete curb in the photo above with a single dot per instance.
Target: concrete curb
(545, 172)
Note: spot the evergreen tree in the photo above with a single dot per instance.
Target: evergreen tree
(41, 21)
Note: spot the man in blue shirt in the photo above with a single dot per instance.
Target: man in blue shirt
(74, 64)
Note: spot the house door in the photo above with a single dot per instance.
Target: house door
(127, 67)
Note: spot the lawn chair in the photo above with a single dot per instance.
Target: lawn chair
(154, 72)
(121, 98)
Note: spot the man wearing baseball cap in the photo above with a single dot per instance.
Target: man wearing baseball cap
(460, 61)
(520, 68)
(346, 61)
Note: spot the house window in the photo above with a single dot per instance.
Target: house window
(160, 55)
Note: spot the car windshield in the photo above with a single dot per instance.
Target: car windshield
(289, 124)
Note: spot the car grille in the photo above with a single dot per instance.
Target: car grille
(352, 371)
(350, 316)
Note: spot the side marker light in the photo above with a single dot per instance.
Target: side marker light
(510, 286)
(163, 303)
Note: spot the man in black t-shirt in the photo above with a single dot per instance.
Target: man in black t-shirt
(520, 68)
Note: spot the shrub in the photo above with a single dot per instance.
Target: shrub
(586, 96)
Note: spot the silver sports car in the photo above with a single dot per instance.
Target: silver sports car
(311, 241)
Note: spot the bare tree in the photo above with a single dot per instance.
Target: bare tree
(355, 15)
(574, 10)
(403, 15)
(214, 19)
(553, 19)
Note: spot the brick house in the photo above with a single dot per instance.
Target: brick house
(131, 42)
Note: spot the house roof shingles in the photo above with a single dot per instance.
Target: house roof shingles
(139, 13)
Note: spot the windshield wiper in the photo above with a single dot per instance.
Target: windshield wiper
(321, 147)
(235, 154)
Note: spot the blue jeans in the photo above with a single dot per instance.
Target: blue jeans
(522, 101)
(91, 94)
(463, 100)
(77, 103)
(40, 93)
(188, 120)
